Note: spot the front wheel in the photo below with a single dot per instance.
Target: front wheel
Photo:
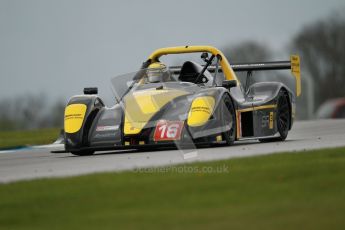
(230, 117)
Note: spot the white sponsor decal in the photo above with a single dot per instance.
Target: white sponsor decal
(104, 135)
(107, 128)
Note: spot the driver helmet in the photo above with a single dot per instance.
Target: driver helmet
(157, 72)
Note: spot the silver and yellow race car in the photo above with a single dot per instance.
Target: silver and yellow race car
(192, 104)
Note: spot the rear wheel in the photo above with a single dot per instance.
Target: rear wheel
(230, 135)
(283, 118)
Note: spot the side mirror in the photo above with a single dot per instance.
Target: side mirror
(229, 84)
(204, 56)
(91, 90)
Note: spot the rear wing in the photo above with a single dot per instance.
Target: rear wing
(293, 65)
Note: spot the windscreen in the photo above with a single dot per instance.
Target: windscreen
(125, 83)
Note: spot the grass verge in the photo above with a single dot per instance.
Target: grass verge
(9, 139)
(279, 191)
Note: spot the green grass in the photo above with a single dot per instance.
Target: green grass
(32, 137)
(280, 191)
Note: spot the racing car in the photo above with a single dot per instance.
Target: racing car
(198, 103)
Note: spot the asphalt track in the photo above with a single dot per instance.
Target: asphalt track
(39, 162)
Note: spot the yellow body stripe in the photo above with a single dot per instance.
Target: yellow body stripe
(238, 122)
(257, 108)
(271, 120)
(219, 138)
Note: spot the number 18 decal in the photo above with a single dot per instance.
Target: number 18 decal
(168, 130)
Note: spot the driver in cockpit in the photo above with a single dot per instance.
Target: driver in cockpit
(157, 72)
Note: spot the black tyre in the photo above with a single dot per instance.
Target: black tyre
(283, 118)
(83, 153)
(230, 135)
